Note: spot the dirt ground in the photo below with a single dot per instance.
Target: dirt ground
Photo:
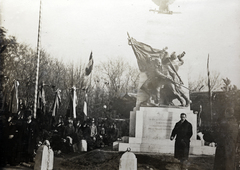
(109, 160)
(105, 159)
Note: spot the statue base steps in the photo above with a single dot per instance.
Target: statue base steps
(150, 129)
(164, 146)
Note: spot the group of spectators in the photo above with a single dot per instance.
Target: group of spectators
(18, 137)
(21, 134)
(68, 135)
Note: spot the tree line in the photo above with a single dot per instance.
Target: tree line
(108, 81)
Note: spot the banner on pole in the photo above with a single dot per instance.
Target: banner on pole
(85, 105)
(89, 67)
(57, 102)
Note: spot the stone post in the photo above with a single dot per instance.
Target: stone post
(128, 161)
(83, 145)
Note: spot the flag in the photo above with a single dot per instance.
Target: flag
(208, 74)
(57, 102)
(143, 52)
(41, 101)
(209, 87)
(73, 102)
(14, 97)
(89, 67)
(85, 105)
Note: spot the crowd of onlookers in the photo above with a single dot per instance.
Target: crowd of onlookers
(21, 134)
(67, 136)
(18, 137)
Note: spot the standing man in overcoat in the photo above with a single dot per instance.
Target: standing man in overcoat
(183, 133)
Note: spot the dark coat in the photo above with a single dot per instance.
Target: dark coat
(226, 145)
(31, 132)
(183, 133)
(79, 132)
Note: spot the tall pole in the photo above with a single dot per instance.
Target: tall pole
(72, 74)
(38, 57)
(88, 104)
(209, 88)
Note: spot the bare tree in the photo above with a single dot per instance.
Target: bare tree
(215, 81)
(113, 79)
(197, 85)
(227, 86)
(201, 84)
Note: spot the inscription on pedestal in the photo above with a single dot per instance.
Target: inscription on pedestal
(157, 126)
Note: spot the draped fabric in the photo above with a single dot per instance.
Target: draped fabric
(41, 101)
(14, 97)
(73, 103)
(89, 67)
(57, 102)
(85, 105)
(143, 53)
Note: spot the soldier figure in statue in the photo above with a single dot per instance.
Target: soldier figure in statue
(172, 90)
(163, 84)
(155, 81)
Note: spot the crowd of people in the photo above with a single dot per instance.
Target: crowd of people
(68, 135)
(21, 134)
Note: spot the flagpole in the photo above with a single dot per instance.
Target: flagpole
(72, 74)
(131, 44)
(86, 92)
(38, 58)
(209, 88)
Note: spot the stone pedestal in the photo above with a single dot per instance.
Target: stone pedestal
(151, 127)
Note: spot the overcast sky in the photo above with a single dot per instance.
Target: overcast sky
(71, 29)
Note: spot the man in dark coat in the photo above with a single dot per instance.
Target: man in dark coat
(183, 133)
(31, 136)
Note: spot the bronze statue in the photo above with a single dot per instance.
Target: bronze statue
(173, 90)
(163, 84)
(155, 81)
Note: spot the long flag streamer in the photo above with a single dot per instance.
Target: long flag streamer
(57, 102)
(85, 105)
(41, 101)
(14, 97)
(88, 71)
(73, 102)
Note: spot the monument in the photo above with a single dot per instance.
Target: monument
(161, 98)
